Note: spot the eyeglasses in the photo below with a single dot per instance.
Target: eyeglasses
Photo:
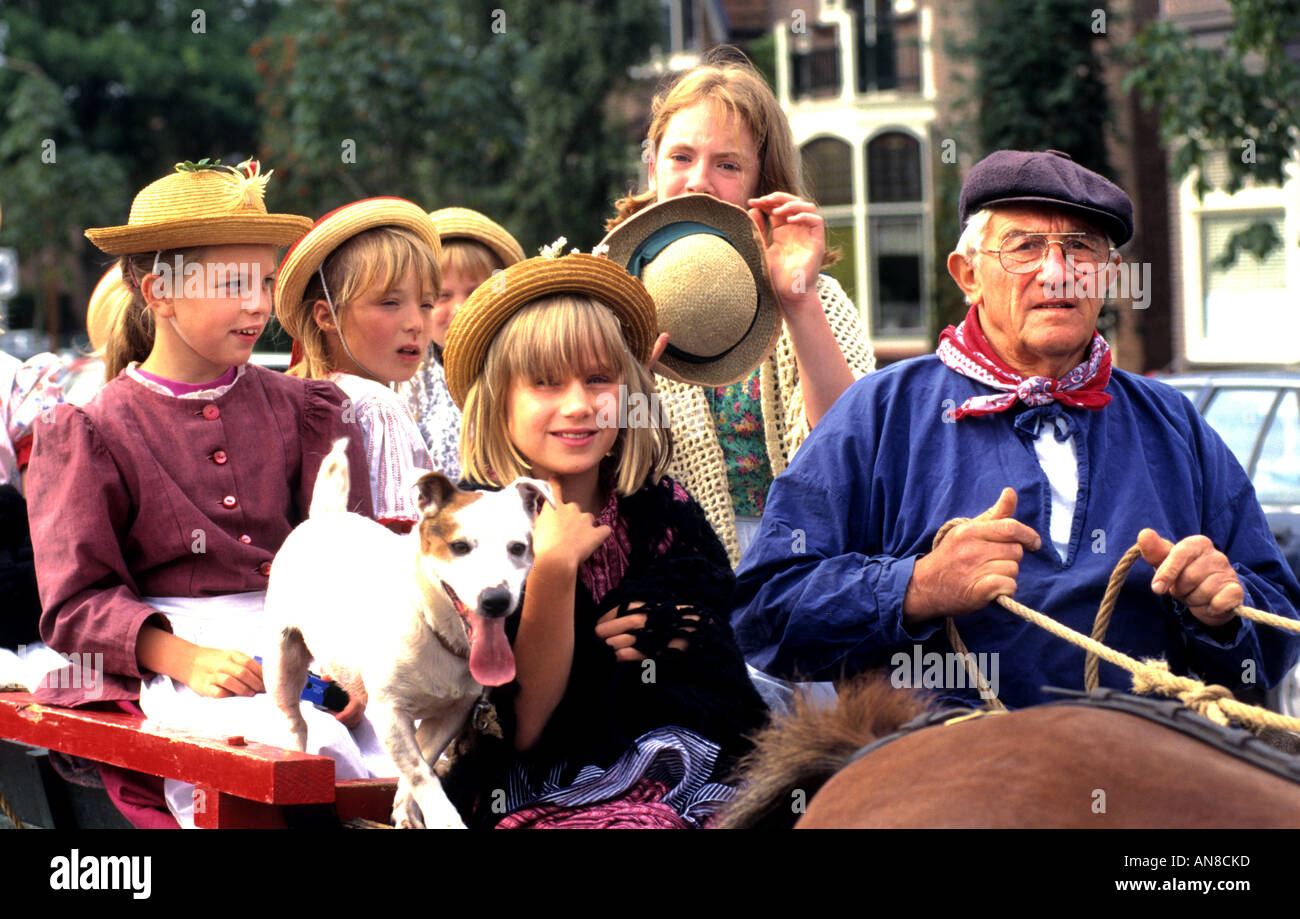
(1084, 252)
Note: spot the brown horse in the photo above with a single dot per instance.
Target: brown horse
(1048, 766)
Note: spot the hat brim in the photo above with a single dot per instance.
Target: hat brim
(738, 363)
(486, 310)
(330, 232)
(1115, 228)
(252, 229)
(463, 223)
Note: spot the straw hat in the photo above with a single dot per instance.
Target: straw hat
(201, 205)
(110, 298)
(330, 232)
(492, 303)
(702, 262)
(463, 223)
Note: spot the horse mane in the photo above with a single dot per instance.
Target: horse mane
(800, 750)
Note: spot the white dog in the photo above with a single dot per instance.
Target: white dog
(414, 623)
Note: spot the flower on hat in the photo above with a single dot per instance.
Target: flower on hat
(248, 185)
(554, 249)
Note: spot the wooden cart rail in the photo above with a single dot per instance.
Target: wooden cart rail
(237, 783)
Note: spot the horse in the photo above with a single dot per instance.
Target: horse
(1053, 765)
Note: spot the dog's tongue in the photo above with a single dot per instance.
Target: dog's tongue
(491, 662)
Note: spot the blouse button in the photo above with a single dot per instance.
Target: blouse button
(229, 501)
(220, 457)
(246, 539)
(264, 569)
(211, 412)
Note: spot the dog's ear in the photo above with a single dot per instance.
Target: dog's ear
(433, 491)
(535, 492)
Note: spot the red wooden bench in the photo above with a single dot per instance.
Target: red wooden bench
(237, 784)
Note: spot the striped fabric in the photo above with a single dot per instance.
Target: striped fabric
(678, 761)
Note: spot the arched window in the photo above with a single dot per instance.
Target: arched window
(828, 170)
(893, 168)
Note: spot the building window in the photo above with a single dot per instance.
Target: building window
(828, 173)
(1239, 302)
(896, 227)
(889, 45)
(828, 169)
(815, 63)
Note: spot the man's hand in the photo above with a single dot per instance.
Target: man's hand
(975, 563)
(1194, 573)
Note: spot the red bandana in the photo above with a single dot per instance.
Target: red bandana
(966, 350)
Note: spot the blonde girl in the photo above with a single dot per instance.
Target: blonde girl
(474, 247)
(357, 294)
(158, 507)
(628, 579)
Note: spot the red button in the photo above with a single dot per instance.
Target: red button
(246, 540)
(220, 457)
(211, 412)
(229, 501)
(264, 569)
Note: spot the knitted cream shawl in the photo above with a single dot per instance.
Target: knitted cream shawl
(697, 456)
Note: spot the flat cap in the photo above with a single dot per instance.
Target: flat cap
(1050, 177)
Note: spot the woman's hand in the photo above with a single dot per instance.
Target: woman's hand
(564, 534)
(619, 632)
(794, 238)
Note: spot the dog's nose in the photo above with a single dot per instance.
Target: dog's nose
(495, 601)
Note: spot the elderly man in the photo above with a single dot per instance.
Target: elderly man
(1019, 422)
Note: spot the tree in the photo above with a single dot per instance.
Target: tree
(101, 97)
(1038, 78)
(1242, 98)
(501, 109)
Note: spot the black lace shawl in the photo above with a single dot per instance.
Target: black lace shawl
(608, 703)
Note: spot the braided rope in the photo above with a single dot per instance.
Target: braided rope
(9, 812)
(1213, 702)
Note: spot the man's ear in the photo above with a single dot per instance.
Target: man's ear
(320, 311)
(963, 272)
(152, 289)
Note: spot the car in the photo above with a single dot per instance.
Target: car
(1257, 413)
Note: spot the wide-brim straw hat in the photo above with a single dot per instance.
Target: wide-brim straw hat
(463, 223)
(486, 310)
(703, 263)
(110, 298)
(203, 206)
(330, 232)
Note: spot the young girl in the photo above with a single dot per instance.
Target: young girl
(473, 247)
(158, 506)
(631, 698)
(357, 295)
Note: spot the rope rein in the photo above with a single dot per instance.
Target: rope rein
(1213, 702)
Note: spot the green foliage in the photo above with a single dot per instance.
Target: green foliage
(497, 108)
(1242, 99)
(1038, 77)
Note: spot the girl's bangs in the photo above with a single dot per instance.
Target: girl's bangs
(387, 254)
(553, 338)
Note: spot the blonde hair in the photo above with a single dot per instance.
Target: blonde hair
(469, 259)
(130, 328)
(378, 257)
(548, 339)
(727, 79)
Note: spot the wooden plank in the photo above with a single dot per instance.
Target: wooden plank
(254, 771)
(369, 799)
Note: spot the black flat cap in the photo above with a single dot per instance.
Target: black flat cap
(1050, 177)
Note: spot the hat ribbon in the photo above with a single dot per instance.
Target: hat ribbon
(650, 248)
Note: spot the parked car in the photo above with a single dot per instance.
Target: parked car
(1257, 413)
